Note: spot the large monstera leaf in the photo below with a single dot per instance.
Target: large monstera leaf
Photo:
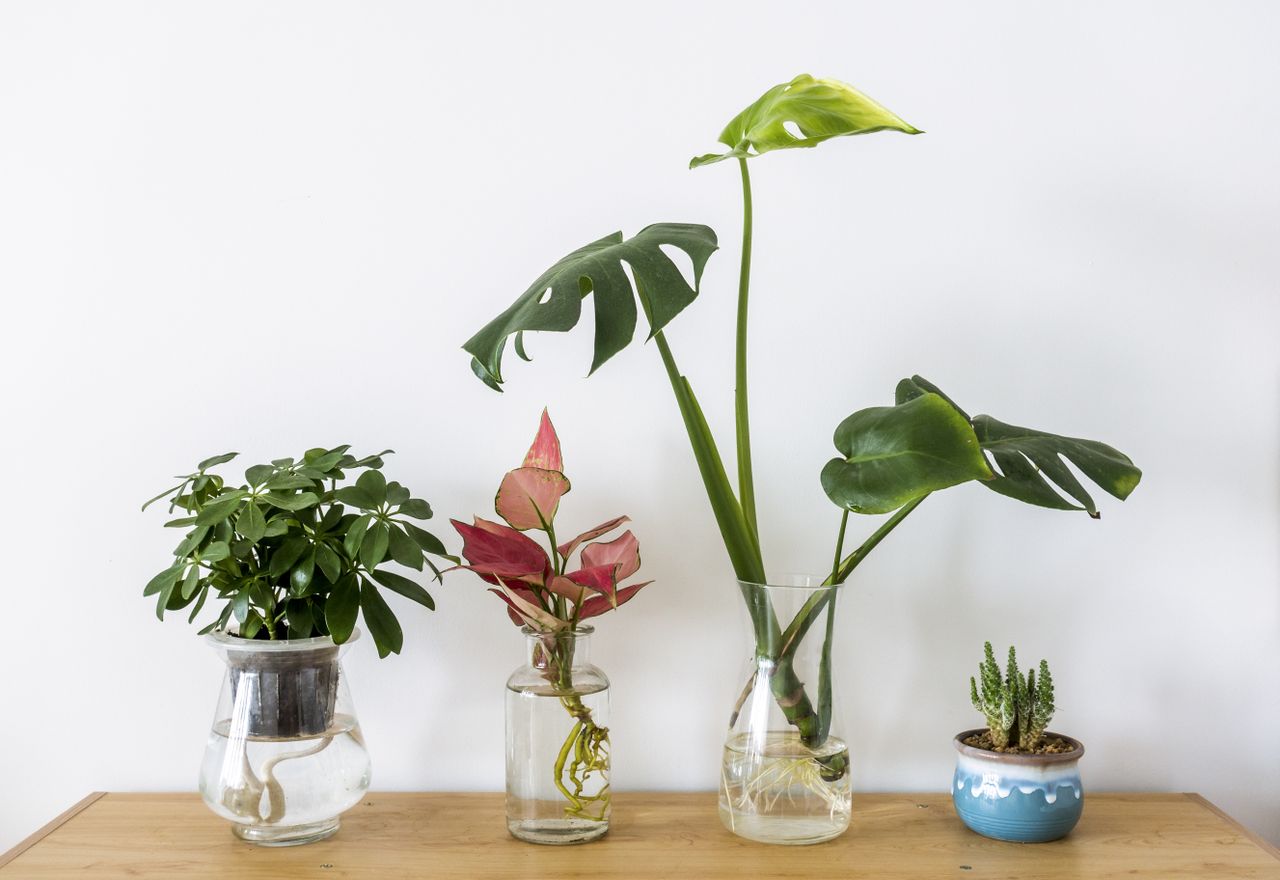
(1027, 459)
(892, 455)
(554, 301)
(818, 109)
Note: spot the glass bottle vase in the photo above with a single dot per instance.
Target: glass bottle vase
(558, 741)
(785, 772)
(285, 756)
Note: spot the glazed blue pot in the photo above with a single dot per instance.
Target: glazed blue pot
(1024, 798)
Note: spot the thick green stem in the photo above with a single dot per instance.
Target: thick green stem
(746, 481)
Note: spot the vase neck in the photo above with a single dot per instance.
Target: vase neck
(567, 648)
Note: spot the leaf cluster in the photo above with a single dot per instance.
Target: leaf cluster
(1017, 709)
(293, 554)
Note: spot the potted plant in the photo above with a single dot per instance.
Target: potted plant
(785, 776)
(295, 559)
(557, 709)
(1014, 779)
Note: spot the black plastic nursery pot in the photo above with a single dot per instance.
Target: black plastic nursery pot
(283, 693)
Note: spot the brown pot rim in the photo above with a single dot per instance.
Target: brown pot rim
(1010, 758)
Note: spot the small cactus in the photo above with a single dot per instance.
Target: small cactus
(1017, 709)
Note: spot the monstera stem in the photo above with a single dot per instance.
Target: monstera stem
(746, 482)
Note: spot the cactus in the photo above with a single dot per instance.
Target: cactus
(1017, 709)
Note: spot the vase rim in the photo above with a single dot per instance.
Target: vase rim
(1013, 758)
(221, 639)
(794, 581)
(582, 629)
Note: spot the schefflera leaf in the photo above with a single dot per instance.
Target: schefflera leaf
(818, 109)
(554, 301)
(892, 455)
(1028, 459)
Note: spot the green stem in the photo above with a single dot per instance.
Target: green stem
(746, 482)
(835, 564)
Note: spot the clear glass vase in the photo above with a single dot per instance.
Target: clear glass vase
(285, 756)
(785, 772)
(558, 741)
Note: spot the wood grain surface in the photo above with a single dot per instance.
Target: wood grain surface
(403, 835)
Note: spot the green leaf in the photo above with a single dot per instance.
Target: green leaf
(331, 518)
(356, 497)
(250, 523)
(290, 481)
(405, 587)
(383, 625)
(215, 552)
(291, 502)
(416, 508)
(259, 474)
(164, 579)
(299, 615)
(374, 484)
(191, 581)
(327, 461)
(300, 577)
(289, 553)
(342, 608)
(427, 541)
(180, 523)
(240, 606)
(355, 535)
(404, 549)
(374, 547)
(1025, 457)
(216, 460)
(220, 508)
(164, 494)
(250, 627)
(554, 301)
(329, 562)
(396, 494)
(191, 542)
(195, 610)
(895, 454)
(818, 110)
(276, 526)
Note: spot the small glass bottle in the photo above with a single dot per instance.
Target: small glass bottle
(558, 741)
(285, 756)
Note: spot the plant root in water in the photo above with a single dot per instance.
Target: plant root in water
(585, 751)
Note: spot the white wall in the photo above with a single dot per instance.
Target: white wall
(263, 227)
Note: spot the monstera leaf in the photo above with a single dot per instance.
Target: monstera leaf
(895, 454)
(554, 301)
(819, 109)
(1026, 457)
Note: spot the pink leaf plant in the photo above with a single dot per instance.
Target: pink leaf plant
(539, 589)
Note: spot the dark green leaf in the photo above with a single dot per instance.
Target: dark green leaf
(289, 553)
(355, 536)
(416, 508)
(374, 547)
(374, 485)
(191, 542)
(328, 460)
(554, 301)
(819, 109)
(216, 460)
(240, 606)
(396, 494)
(298, 613)
(405, 587)
(250, 627)
(291, 502)
(330, 563)
(251, 523)
(300, 577)
(215, 552)
(383, 625)
(191, 581)
(404, 549)
(290, 481)
(331, 518)
(282, 462)
(373, 461)
(356, 497)
(164, 494)
(342, 608)
(259, 474)
(276, 526)
(195, 610)
(180, 523)
(220, 508)
(425, 539)
(895, 454)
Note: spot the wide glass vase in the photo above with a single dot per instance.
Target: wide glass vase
(785, 773)
(285, 756)
(558, 741)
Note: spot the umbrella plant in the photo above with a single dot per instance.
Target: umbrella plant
(889, 458)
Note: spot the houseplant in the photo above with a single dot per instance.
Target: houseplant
(890, 458)
(558, 751)
(296, 560)
(1014, 779)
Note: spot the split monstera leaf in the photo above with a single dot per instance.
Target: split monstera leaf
(538, 588)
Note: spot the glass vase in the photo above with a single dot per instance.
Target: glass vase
(785, 772)
(558, 741)
(285, 756)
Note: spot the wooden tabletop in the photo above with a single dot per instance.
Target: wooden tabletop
(392, 836)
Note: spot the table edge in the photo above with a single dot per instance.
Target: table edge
(48, 828)
(1259, 841)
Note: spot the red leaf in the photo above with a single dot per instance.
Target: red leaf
(623, 552)
(529, 497)
(568, 547)
(567, 587)
(600, 579)
(545, 451)
(597, 605)
(494, 549)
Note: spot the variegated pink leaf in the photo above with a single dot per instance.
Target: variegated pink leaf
(565, 586)
(545, 451)
(599, 579)
(529, 497)
(494, 549)
(529, 610)
(623, 552)
(566, 549)
(598, 605)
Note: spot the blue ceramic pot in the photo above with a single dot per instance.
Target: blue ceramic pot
(1025, 798)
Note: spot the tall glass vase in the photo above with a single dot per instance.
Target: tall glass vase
(285, 756)
(785, 775)
(558, 741)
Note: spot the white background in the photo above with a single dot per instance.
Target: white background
(269, 226)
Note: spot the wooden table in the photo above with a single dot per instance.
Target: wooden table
(393, 836)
